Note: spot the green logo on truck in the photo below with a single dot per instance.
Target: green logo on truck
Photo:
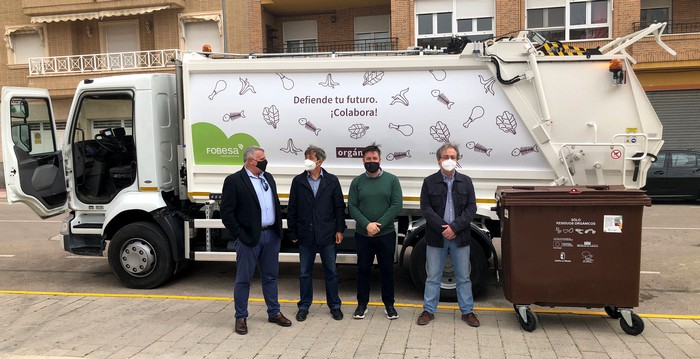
(212, 147)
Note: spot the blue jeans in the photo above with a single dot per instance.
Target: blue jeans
(307, 255)
(265, 255)
(435, 258)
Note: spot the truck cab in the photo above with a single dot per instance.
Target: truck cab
(116, 165)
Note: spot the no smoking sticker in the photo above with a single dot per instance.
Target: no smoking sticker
(616, 154)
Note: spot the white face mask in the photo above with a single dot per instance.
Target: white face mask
(448, 165)
(309, 165)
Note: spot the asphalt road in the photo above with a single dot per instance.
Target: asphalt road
(31, 259)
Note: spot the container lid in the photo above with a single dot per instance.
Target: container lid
(562, 195)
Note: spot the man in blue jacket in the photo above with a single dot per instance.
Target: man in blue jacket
(316, 219)
(448, 204)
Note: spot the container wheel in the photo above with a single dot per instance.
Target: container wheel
(637, 325)
(532, 321)
(613, 312)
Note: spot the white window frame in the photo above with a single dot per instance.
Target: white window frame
(475, 30)
(545, 19)
(567, 20)
(589, 22)
(199, 17)
(457, 12)
(23, 29)
(434, 33)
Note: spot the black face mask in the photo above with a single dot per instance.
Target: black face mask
(262, 165)
(372, 167)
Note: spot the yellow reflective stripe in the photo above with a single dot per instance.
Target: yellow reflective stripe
(148, 189)
(290, 301)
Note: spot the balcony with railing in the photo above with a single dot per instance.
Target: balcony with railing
(378, 44)
(673, 27)
(118, 61)
(60, 74)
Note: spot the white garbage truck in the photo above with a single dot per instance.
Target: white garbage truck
(144, 156)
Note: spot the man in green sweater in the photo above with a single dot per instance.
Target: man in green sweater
(374, 201)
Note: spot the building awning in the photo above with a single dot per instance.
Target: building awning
(22, 29)
(96, 14)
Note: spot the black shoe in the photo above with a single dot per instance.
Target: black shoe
(337, 314)
(360, 311)
(280, 320)
(391, 312)
(241, 326)
(301, 315)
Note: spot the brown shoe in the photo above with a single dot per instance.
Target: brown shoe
(280, 320)
(425, 318)
(241, 326)
(471, 319)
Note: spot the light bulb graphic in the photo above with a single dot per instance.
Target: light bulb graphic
(477, 113)
(405, 129)
(287, 83)
(439, 75)
(220, 86)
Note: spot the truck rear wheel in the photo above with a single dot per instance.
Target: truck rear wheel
(140, 256)
(448, 284)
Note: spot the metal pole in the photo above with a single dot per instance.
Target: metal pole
(223, 24)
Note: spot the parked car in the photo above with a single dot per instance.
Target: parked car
(674, 175)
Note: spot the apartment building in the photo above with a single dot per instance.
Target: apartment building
(54, 44)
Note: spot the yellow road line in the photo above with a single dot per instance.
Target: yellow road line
(377, 304)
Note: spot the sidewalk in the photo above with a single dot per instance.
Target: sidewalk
(65, 325)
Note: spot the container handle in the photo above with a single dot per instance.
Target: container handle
(529, 188)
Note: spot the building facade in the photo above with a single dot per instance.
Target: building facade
(54, 44)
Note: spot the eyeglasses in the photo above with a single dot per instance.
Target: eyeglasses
(264, 184)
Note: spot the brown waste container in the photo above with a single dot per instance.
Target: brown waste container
(572, 246)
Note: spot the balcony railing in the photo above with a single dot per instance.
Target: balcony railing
(383, 44)
(117, 61)
(677, 27)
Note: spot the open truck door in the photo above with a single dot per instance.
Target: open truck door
(31, 153)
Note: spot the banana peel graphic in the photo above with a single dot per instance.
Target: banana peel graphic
(290, 148)
(329, 82)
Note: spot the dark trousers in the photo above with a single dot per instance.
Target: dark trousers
(307, 255)
(265, 255)
(384, 247)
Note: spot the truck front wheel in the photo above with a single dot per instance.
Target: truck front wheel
(140, 256)
(448, 284)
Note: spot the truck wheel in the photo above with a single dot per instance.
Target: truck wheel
(140, 256)
(448, 285)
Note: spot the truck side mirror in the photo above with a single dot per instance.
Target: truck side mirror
(21, 136)
(19, 108)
